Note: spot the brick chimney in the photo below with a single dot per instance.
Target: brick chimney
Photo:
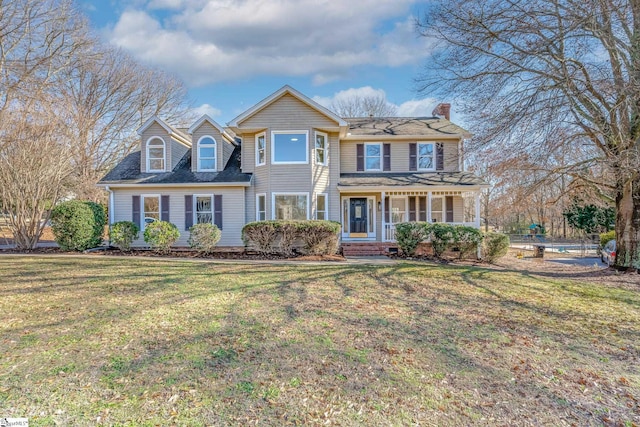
(442, 110)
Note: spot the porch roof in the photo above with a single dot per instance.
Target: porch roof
(463, 180)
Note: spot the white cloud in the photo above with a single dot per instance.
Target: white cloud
(208, 41)
(207, 109)
(348, 94)
(417, 107)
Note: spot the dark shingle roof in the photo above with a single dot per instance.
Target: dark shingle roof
(398, 126)
(128, 172)
(409, 179)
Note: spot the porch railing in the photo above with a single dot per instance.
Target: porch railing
(389, 230)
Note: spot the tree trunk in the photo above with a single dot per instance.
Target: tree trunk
(628, 225)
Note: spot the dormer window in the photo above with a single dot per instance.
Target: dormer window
(206, 154)
(155, 155)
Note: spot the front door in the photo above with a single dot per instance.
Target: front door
(358, 216)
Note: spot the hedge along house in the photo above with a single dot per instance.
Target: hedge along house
(287, 157)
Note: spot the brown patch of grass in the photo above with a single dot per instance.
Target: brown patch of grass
(88, 341)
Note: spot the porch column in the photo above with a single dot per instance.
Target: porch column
(383, 196)
(477, 209)
(429, 206)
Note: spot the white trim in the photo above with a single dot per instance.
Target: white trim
(443, 212)
(215, 154)
(409, 188)
(258, 206)
(194, 204)
(171, 131)
(289, 132)
(201, 120)
(326, 205)
(164, 154)
(433, 156)
(176, 185)
(142, 211)
(273, 201)
(406, 208)
(381, 145)
(277, 95)
(325, 149)
(258, 135)
(347, 221)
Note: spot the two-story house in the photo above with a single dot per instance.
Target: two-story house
(288, 157)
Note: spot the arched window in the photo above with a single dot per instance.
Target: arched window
(155, 155)
(207, 154)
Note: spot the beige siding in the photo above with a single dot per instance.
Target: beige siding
(206, 129)
(334, 177)
(399, 155)
(154, 130)
(287, 113)
(232, 216)
(177, 153)
(458, 209)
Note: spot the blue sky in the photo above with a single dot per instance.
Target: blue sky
(233, 53)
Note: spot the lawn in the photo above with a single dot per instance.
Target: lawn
(101, 341)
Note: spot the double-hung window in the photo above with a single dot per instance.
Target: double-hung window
(206, 154)
(150, 209)
(291, 206)
(155, 155)
(261, 207)
(426, 158)
(321, 148)
(261, 144)
(203, 209)
(289, 147)
(373, 157)
(321, 206)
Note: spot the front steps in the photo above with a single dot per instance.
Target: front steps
(357, 249)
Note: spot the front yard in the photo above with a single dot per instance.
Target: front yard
(87, 341)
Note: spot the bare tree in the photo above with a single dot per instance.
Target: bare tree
(375, 105)
(539, 75)
(107, 97)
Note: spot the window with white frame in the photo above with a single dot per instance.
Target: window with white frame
(290, 147)
(398, 209)
(203, 209)
(206, 154)
(261, 207)
(437, 205)
(321, 148)
(321, 206)
(373, 157)
(150, 209)
(261, 143)
(155, 155)
(291, 206)
(426, 159)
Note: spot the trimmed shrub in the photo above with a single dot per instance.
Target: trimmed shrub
(319, 237)
(409, 235)
(261, 234)
(442, 237)
(123, 233)
(78, 225)
(204, 237)
(466, 239)
(605, 237)
(160, 235)
(287, 232)
(496, 245)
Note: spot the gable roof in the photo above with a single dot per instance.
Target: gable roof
(127, 172)
(286, 89)
(208, 119)
(404, 126)
(178, 135)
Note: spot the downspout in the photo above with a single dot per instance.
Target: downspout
(111, 209)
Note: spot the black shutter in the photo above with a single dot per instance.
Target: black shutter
(412, 209)
(135, 215)
(217, 210)
(386, 209)
(413, 157)
(164, 208)
(188, 211)
(439, 157)
(449, 207)
(386, 157)
(423, 209)
(360, 157)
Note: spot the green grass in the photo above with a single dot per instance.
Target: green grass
(97, 341)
